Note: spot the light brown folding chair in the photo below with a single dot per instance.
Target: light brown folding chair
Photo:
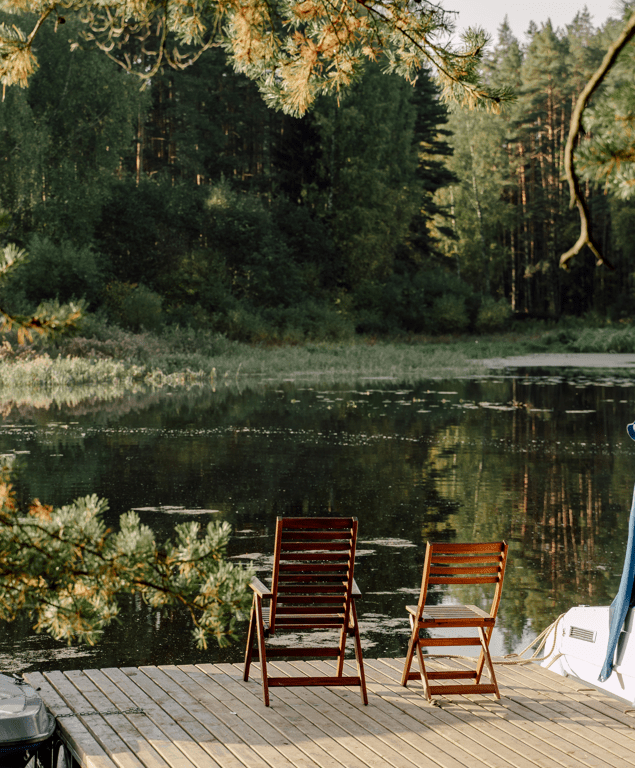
(456, 564)
(312, 588)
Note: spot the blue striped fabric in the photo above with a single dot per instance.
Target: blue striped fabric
(622, 602)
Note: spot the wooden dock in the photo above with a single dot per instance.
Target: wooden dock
(205, 716)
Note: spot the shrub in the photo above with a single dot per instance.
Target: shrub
(56, 271)
(448, 315)
(134, 306)
(492, 315)
(312, 321)
(429, 301)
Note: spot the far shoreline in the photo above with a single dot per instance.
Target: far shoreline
(607, 360)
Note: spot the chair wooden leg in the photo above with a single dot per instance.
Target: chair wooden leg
(414, 641)
(479, 667)
(488, 660)
(358, 656)
(424, 674)
(261, 647)
(481, 658)
(250, 640)
(342, 647)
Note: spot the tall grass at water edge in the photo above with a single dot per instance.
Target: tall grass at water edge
(187, 357)
(110, 364)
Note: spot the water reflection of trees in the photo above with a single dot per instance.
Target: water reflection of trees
(465, 460)
(555, 487)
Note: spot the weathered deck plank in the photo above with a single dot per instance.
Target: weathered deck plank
(78, 737)
(206, 716)
(470, 734)
(319, 746)
(522, 731)
(129, 746)
(572, 721)
(313, 722)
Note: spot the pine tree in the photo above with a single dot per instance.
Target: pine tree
(545, 112)
(369, 192)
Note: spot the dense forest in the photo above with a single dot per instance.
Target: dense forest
(191, 202)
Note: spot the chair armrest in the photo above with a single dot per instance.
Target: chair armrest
(355, 590)
(259, 588)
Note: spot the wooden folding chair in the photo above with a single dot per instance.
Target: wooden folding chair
(456, 564)
(312, 588)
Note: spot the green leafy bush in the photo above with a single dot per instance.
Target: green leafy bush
(57, 271)
(134, 306)
(492, 315)
(448, 315)
(312, 321)
(428, 301)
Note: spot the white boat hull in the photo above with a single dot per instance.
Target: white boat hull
(579, 648)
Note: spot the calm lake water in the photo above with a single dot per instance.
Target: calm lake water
(542, 461)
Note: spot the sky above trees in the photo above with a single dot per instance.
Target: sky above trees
(490, 14)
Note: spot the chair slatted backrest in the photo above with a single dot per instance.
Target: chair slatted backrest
(465, 564)
(312, 573)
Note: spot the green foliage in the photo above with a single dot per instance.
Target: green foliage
(605, 153)
(61, 140)
(430, 301)
(134, 306)
(49, 318)
(294, 50)
(66, 570)
(606, 340)
(194, 192)
(492, 315)
(57, 271)
(369, 193)
(507, 218)
(448, 314)
(144, 228)
(310, 321)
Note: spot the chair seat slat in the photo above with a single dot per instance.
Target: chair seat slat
(300, 627)
(293, 600)
(440, 611)
(451, 641)
(303, 610)
(311, 589)
(456, 622)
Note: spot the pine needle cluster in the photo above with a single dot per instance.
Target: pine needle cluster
(294, 49)
(68, 571)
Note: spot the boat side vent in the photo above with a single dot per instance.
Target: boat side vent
(582, 634)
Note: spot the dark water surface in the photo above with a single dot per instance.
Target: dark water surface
(542, 461)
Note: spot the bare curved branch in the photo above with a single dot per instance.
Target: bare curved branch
(576, 126)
